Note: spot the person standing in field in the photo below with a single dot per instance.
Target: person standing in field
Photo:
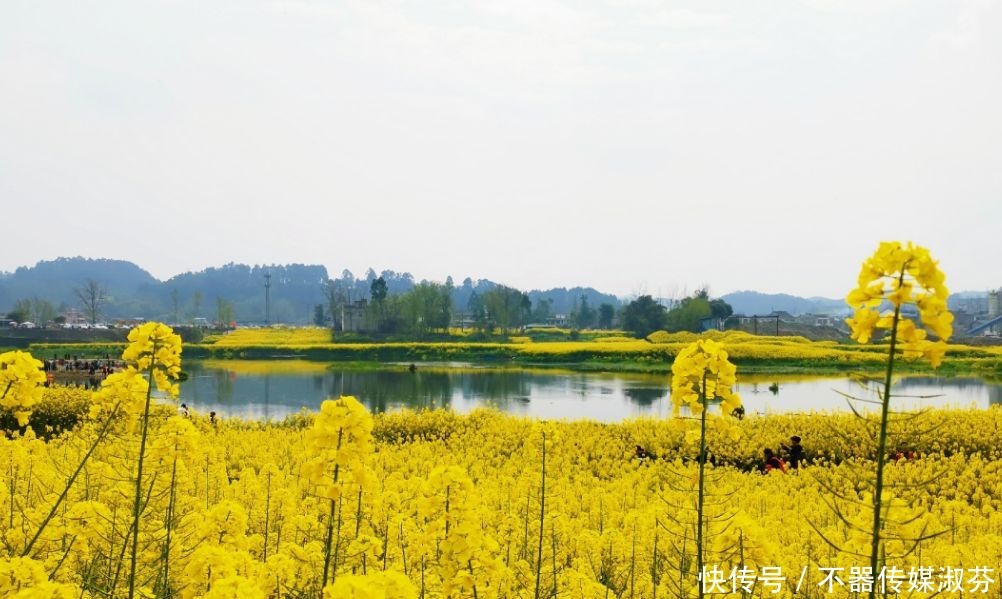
(794, 452)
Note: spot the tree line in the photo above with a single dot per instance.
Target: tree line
(102, 290)
(429, 307)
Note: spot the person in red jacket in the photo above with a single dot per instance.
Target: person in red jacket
(772, 462)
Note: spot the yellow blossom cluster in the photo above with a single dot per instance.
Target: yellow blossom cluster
(339, 445)
(903, 275)
(155, 347)
(701, 373)
(21, 379)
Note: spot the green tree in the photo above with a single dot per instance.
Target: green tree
(378, 291)
(196, 304)
(686, 316)
(224, 312)
(542, 311)
(643, 316)
(42, 311)
(175, 302)
(507, 308)
(584, 315)
(319, 318)
(606, 314)
(427, 306)
(21, 311)
(478, 314)
(720, 309)
(445, 304)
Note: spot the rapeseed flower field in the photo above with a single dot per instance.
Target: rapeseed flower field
(139, 500)
(437, 504)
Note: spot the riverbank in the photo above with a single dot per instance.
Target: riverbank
(751, 353)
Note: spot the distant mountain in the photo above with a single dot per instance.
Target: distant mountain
(294, 290)
(55, 281)
(972, 302)
(132, 292)
(755, 303)
(752, 303)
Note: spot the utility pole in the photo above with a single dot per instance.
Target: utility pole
(267, 298)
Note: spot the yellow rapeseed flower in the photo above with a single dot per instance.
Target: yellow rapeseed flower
(21, 380)
(341, 437)
(903, 275)
(701, 372)
(155, 346)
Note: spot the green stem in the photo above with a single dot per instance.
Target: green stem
(700, 492)
(69, 483)
(170, 526)
(330, 520)
(882, 445)
(654, 561)
(139, 476)
(66, 553)
(267, 514)
(542, 515)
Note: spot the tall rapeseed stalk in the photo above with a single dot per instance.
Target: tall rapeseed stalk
(154, 350)
(338, 446)
(702, 373)
(901, 276)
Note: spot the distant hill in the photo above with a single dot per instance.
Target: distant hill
(972, 302)
(132, 292)
(55, 281)
(295, 289)
(754, 303)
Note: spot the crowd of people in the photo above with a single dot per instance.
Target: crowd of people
(794, 453)
(74, 371)
(791, 458)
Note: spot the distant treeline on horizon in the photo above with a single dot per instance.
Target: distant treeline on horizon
(296, 290)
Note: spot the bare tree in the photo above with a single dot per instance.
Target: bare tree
(93, 296)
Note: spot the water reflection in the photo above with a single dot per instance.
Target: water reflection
(273, 390)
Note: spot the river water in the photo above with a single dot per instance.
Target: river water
(271, 390)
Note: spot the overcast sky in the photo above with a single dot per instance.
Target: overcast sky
(634, 145)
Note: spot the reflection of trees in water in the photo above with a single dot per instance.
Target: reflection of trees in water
(994, 394)
(509, 390)
(224, 385)
(961, 383)
(644, 396)
(500, 388)
(381, 390)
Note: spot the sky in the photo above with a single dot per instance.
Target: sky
(635, 146)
